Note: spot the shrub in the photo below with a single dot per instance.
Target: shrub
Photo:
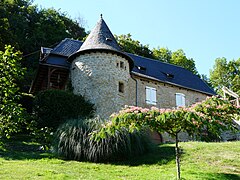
(73, 141)
(12, 114)
(53, 107)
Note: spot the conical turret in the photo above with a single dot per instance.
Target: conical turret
(100, 38)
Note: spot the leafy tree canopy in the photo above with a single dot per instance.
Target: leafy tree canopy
(226, 73)
(177, 57)
(133, 46)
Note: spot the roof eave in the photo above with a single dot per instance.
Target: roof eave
(124, 55)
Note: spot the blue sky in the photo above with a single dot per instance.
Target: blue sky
(204, 29)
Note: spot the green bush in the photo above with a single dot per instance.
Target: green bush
(53, 107)
(73, 141)
(12, 114)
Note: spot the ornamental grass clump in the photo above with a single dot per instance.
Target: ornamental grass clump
(73, 141)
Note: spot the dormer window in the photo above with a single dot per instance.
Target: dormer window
(108, 39)
(168, 75)
(141, 68)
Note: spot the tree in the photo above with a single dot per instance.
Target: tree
(226, 74)
(178, 58)
(162, 54)
(133, 46)
(213, 114)
(11, 72)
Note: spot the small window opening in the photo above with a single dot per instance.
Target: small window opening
(117, 64)
(168, 75)
(108, 39)
(141, 68)
(197, 100)
(121, 87)
(121, 64)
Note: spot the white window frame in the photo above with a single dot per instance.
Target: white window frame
(151, 95)
(180, 100)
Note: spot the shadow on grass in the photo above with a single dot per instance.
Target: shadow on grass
(22, 147)
(218, 176)
(160, 155)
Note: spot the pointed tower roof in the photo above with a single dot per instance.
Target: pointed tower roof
(101, 39)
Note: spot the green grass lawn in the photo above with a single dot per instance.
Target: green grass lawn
(20, 159)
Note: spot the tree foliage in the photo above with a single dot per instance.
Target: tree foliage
(226, 74)
(214, 114)
(178, 58)
(133, 46)
(162, 54)
(11, 72)
(30, 27)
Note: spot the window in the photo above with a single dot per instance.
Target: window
(121, 64)
(151, 95)
(120, 87)
(180, 99)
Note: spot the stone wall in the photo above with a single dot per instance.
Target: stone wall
(96, 76)
(166, 93)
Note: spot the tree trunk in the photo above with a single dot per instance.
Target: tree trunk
(177, 157)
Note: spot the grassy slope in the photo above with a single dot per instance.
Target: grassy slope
(20, 160)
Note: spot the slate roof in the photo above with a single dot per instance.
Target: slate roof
(149, 68)
(67, 47)
(168, 73)
(100, 38)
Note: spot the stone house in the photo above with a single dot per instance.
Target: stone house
(110, 78)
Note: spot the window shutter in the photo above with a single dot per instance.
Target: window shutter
(183, 100)
(148, 95)
(151, 95)
(154, 96)
(180, 99)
